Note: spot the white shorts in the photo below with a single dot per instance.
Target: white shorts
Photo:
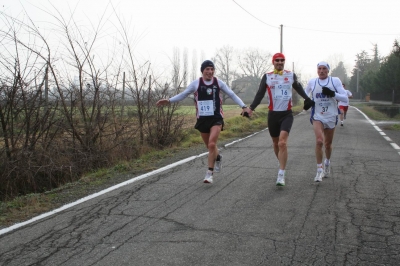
(331, 124)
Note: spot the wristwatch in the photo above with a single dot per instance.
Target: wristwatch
(244, 106)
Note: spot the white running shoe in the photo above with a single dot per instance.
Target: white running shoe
(318, 177)
(208, 178)
(218, 164)
(327, 170)
(280, 181)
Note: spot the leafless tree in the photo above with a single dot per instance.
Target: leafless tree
(202, 56)
(195, 66)
(185, 68)
(254, 62)
(224, 61)
(176, 66)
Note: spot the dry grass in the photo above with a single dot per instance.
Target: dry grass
(23, 208)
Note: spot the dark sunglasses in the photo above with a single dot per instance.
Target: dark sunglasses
(279, 60)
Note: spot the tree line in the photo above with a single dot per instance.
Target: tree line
(378, 75)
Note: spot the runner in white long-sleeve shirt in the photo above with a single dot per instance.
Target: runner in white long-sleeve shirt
(207, 92)
(326, 92)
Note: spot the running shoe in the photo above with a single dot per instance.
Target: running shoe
(218, 164)
(318, 177)
(341, 124)
(280, 181)
(208, 178)
(327, 170)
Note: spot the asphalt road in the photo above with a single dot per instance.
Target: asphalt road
(172, 218)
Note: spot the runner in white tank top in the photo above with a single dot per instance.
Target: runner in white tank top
(326, 92)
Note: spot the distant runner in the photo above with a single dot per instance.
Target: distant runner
(344, 106)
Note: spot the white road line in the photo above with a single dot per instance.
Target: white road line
(394, 145)
(92, 196)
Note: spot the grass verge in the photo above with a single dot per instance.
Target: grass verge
(376, 115)
(25, 207)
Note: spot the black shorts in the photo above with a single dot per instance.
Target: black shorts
(205, 124)
(279, 121)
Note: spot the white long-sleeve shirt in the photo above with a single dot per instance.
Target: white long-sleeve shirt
(326, 107)
(194, 86)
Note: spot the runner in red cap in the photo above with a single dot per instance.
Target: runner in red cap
(278, 84)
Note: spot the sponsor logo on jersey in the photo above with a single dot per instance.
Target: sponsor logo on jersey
(320, 95)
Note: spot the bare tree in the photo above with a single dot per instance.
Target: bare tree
(202, 56)
(195, 66)
(334, 60)
(255, 62)
(185, 68)
(225, 67)
(176, 66)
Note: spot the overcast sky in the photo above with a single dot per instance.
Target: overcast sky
(312, 30)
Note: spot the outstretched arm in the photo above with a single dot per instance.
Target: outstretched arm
(181, 96)
(262, 89)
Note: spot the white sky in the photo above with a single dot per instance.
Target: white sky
(312, 30)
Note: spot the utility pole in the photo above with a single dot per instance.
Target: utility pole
(358, 77)
(281, 36)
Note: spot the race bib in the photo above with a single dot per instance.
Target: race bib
(326, 108)
(283, 92)
(206, 108)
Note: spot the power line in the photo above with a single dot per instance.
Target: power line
(338, 32)
(341, 32)
(254, 16)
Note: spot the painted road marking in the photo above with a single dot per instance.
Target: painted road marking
(394, 145)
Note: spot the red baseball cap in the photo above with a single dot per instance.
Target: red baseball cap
(277, 55)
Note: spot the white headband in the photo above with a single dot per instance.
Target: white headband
(325, 64)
